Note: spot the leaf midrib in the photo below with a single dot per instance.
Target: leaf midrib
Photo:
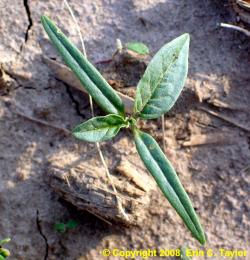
(183, 205)
(78, 65)
(160, 80)
(101, 128)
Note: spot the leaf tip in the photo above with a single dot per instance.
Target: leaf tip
(74, 132)
(44, 19)
(186, 37)
(202, 238)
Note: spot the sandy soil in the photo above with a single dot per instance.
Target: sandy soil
(215, 173)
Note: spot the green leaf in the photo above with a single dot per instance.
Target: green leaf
(100, 128)
(72, 224)
(138, 47)
(4, 241)
(2, 257)
(163, 79)
(60, 227)
(4, 252)
(103, 94)
(168, 181)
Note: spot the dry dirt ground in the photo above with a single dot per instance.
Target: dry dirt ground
(215, 173)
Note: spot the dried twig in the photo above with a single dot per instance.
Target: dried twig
(235, 27)
(42, 122)
(218, 103)
(207, 139)
(244, 4)
(98, 216)
(163, 133)
(132, 174)
(225, 118)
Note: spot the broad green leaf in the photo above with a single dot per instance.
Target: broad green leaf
(168, 181)
(138, 47)
(4, 252)
(100, 128)
(103, 94)
(163, 79)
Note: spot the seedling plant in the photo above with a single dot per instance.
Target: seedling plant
(62, 227)
(156, 93)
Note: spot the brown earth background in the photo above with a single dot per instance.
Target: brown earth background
(215, 173)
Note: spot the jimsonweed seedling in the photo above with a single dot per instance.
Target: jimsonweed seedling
(156, 93)
(63, 227)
